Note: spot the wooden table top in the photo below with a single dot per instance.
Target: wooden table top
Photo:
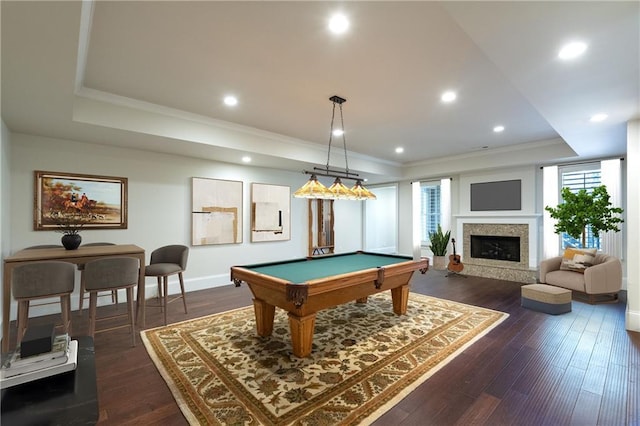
(31, 255)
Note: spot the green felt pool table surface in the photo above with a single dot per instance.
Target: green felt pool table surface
(303, 270)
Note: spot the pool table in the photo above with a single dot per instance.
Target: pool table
(302, 287)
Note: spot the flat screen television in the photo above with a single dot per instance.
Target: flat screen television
(501, 195)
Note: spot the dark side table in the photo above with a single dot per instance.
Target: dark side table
(65, 399)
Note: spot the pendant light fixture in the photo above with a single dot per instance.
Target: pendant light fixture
(337, 191)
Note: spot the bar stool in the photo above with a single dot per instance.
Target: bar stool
(167, 261)
(83, 292)
(40, 280)
(111, 273)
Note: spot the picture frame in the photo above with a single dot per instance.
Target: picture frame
(270, 212)
(216, 211)
(80, 200)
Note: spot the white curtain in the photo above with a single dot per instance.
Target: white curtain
(550, 197)
(611, 177)
(445, 203)
(415, 220)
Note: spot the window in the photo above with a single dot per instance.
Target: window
(430, 209)
(577, 177)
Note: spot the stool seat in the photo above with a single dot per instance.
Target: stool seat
(161, 269)
(546, 298)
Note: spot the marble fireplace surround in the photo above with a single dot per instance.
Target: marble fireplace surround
(523, 226)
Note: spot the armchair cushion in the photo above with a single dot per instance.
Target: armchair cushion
(577, 260)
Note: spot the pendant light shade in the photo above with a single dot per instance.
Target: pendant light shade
(361, 192)
(312, 189)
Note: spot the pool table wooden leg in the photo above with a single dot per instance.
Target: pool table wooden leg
(400, 297)
(302, 334)
(264, 317)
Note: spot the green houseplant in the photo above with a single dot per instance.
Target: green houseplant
(581, 209)
(439, 241)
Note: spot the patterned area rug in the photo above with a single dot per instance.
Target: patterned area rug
(364, 360)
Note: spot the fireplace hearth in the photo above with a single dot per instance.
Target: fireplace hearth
(495, 247)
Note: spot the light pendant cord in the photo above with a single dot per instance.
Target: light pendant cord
(344, 140)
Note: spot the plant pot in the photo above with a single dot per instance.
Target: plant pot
(71, 241)
(439, 263)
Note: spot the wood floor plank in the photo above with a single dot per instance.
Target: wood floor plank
(564, 397)
(586, 411)
(613, 409)
(479, 411)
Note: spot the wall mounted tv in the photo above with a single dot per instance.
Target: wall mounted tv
(502, 195)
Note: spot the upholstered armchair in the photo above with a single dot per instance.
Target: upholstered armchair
(603, 278)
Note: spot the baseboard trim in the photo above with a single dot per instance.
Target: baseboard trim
(632, 322)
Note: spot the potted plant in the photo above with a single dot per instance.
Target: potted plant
(582, 208)
(70, 228)
(439, 241)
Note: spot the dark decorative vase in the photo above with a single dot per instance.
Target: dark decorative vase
(71, 241)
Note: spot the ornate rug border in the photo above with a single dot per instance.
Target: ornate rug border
(192, 419)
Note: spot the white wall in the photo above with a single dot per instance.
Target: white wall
(5, 198)
(633, 226)
(159, 205)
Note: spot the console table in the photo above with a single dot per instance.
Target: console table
(65, 399)
(80, 256)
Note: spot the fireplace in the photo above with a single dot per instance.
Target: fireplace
(496, 247)
(499, 247)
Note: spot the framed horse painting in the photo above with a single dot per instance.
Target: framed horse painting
(64, 200)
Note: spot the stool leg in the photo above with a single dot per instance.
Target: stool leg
(82, 292)
(93, 301)
(65, 307)
(165, 297)
(184, 300)
(130, 313)
(23, 319)
(159, 297)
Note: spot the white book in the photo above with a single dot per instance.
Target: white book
(16, 369)
(69, 365)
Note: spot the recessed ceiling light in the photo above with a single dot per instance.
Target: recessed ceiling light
(572, 50)
(338, 23)
(498, 129)
(337, 132)
(230, 100)
(598, 117)
(399, 150)
(448, 96)
(246, 159)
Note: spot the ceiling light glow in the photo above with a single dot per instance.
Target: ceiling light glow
(448, 96)
(338, 23)
(399, 150)
(498, 129)
(230, 100)
(572, 50)
(338, 132)
(596, 118)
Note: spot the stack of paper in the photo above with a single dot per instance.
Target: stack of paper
(62, 358)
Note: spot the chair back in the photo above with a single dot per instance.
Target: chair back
(111, 272)
(42, 279)
(177, 254)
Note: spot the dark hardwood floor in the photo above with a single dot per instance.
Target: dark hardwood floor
(580, 368)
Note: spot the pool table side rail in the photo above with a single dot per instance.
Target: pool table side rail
(298, 293)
